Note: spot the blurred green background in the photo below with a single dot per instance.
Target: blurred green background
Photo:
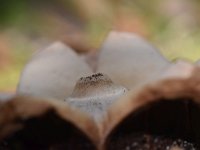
(28, 25)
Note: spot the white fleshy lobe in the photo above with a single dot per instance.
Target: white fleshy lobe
(179, 69)
(94, 94)
(52, 72)
(129, 60)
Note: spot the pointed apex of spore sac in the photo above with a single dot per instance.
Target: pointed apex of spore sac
(94, 79)
(96, 86)
(94, 94)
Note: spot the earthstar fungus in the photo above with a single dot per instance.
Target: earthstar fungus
(132, 98)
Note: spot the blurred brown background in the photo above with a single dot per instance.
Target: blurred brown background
(29, 25)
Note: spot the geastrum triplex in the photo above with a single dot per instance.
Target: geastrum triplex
(124, 96)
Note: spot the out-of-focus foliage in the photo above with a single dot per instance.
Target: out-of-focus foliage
(26, 25)
(11, 11)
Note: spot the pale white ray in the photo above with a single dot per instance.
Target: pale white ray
(178, 69)
(129, 60)
(52, 72)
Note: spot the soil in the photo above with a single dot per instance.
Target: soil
(148, 142)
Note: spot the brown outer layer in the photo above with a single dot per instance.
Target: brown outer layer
(169, 89)
(26, 107)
